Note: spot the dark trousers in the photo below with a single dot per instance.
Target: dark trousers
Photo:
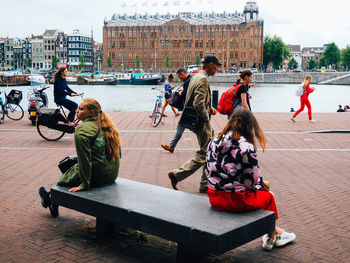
(69, 105)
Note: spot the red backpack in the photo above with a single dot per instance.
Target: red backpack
(227, 100)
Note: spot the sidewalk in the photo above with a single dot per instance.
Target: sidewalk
(309, 174)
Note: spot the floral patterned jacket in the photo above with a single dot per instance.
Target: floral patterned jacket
(232, 166)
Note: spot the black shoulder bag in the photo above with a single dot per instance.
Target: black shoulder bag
(189, 117)
(69, 161)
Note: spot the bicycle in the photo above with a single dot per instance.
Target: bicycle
(157, 113)
(52, 124)
(10, 106)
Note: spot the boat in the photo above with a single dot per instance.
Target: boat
(100, 81)
(146, 79)
(124, 78)
(36, 80)
(13, 79)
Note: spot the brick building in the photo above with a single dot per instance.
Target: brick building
(236, 38)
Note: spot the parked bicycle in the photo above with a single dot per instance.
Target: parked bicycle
(10, 107)
(157, 113)
(53, 124)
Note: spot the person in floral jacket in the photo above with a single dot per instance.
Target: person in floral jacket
(233, 173)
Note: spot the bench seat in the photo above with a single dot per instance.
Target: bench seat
(185, 218)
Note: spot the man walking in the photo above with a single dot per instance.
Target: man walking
(198, 96)
(185, 77)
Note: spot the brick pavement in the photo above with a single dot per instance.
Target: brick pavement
(308, 174)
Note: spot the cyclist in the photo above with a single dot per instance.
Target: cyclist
(61, 90)
(168, 91)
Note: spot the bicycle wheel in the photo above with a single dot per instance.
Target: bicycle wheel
(49, 134)
(2, 114)
(157, 114)
(14, 111)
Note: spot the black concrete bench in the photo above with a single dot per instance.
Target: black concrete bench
(185, 218)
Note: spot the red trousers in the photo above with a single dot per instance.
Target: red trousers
(303, 102)
(242, 202)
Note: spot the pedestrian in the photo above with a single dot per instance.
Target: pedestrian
(61, 91)
(97, 144)
(292, 110)
(304, 99)
(168, 91)
(242, 96)
(232, 169)
(340, 109)
(347, 108)
(199, 96)
(185, 78)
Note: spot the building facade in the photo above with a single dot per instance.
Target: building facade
(80, 51)
(49, 38)
(311, 53)
(2, 54)
(37, 52)
(17, 54)
(296, 54)
(235, 38)
(27, 52)
(61, 48)
(8, 54)
(98, 56)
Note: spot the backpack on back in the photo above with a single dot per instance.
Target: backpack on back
(300, 90)
(227, 100)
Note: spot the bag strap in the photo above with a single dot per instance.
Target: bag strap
(97, 134)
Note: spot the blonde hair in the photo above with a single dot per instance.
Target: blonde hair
(243, 123)
(307, 80)
(106, 127)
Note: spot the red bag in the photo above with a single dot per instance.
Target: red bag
(227, 100)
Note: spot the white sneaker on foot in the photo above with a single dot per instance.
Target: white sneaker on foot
(267, 243)
(285, 238)
(312, 120)
(293, 119)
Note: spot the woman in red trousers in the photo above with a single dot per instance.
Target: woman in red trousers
(304, 99)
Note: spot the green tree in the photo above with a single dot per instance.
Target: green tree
(81, 62)
(322, 62)
(197, 61)
(54, 62)
(29, 62)
(311, 64)
(274, 52)
(109, 62)
(332, 55)
(292, 64)
(167, 62)
(345, 57)
(137, 61)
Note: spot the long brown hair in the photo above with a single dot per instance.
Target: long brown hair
(243, 123)
(106, 127)
(58, 73)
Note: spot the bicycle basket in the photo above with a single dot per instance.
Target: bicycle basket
(14, 97)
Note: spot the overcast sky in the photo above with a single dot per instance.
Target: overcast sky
(305, 22)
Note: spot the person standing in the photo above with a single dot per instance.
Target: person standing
(199, 96)
(232, 169)
(60, 92)
(168, 91)
(304, 99)
(242, 96)
(185, 77)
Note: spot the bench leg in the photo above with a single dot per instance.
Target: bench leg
(105, 228)
(189, 254)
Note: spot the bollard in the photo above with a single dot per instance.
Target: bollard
(215, 99)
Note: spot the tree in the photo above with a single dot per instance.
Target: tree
(274, 51)
(81, 62)
(29, 62)
(292, 64)
(322, 62)
(54, 62)
(197, 61)
(109, 62)
(311, 64)
(345, 57)
(167, 62)
(137, 61)
(332, 55)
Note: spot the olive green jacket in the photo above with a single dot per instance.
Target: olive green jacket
(92, 169)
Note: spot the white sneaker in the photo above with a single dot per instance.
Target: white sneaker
(293, 119)
(266, 242)
(312, 120)
(285, 238)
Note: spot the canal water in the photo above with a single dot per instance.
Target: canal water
(265, 97)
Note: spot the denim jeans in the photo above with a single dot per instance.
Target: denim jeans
(179, 131)
(69, 105)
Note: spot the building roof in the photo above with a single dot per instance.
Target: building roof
(311, 49)
(294, 48)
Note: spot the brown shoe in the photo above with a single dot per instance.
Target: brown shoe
(173, 180)
(168, 148)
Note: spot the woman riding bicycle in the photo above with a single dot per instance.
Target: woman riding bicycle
(61, 90)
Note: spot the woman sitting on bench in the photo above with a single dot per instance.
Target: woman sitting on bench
(233, 173)
(97, 143)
